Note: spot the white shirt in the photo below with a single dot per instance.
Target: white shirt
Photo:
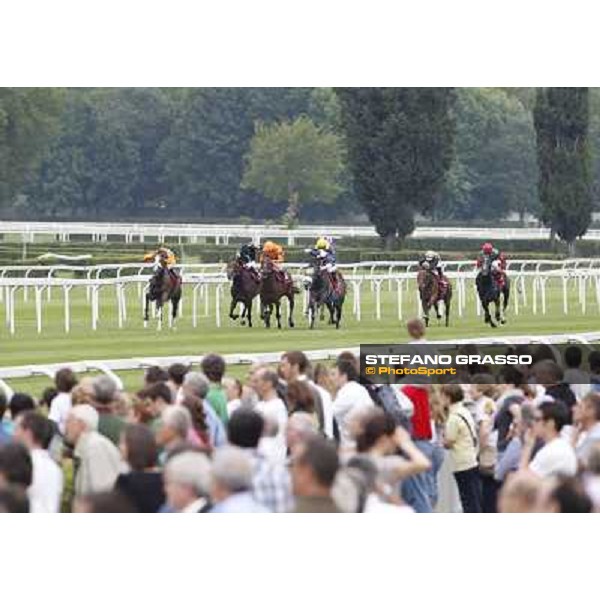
(46, 488)
(351, 397)
(195, 506)
(555, 458)
(59, 410)
(274, 410)
(233, 405)
(326, 403)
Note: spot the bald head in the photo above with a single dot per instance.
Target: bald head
(416, 328)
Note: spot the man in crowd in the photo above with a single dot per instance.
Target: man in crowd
(187, 483)
(549, 374)
(105, 395)
(16, 467)
(556, 457)
(351, 398)
(294, 366)
(231, 488)
(264, 381)
(271, 483)
(315, 464)
(160, 397)
(587, 418)
(97, 460)
(4, 434)
(173, 431)
(65, 381)
(213, 367)
(35, 432)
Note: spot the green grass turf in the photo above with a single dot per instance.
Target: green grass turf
(53, 345)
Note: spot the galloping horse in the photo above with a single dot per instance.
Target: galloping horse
(490, 291)
(272, 290)
(245, 285)
(431, 295)
(323, 291)
(164, 287)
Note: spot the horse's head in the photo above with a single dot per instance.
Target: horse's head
(234, 267)
(267, 268)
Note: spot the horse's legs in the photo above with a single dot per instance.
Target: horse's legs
(266, 314)
(338, 315)
(159, 315)
(278, 313)
(232, 307)
(331, 309)
(291, 315)
(447, 304)
(426, 314)
(499, 316)
(312, 310)
(436, 306)
(174, 310)
(248, 311)
(146, 309)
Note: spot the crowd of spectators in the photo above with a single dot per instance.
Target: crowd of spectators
(302, 437)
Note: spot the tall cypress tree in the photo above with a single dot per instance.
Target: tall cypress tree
(400, 145)
(561, 119)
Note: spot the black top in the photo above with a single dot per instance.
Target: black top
(143, 488)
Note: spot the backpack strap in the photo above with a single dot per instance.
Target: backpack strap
(473, 438)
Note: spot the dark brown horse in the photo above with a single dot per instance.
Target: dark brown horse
(165, 286)
(323, 291)
(431, 294)
(245, 285)
(492, 290)
(275, 285)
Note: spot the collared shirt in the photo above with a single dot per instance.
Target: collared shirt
(274, 410)
(272, 483)
(98, 464)
(555, 458)
(59, 410)
(460, 430)
(46, 488)
(216, 429)
(242, 502)
(351, 397)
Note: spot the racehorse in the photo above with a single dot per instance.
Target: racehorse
(164, 287)
(431, 294)
(490, 291)
(272, 290)
(245, 285)
(323, 291)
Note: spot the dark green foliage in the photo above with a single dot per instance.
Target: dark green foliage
(561, 117)
(400, 144)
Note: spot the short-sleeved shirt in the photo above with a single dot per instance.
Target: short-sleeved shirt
(555, 458)
(218, 400)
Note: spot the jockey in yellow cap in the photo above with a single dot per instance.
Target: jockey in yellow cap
(325, 251)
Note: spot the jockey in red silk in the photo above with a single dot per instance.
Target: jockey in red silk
(498, 261)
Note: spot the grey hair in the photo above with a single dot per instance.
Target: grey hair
(177, 418)
(191, 469)
(105, 389)
(232, 468)
(196, 383)
(301, 423)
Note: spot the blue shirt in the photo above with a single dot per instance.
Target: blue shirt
(216, 429)
(243, 502)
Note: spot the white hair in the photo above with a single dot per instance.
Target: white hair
(232, 468)
(177, 418)
(87, 414)
(191, 469)
(196, 383)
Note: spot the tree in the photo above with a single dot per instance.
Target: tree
(295, 160)
(561, 118)
(29, 117)
(400, 146)
(494, 171)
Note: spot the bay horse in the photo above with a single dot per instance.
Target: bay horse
(323, 291)
(273, 288)
(165, 286)
(245, 285)
(431, 294)
(490, 291)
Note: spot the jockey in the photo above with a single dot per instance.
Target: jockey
(248, 256)
(432, 260)
(274, 252)
(163, 257)
(324, 250)
(498, 261)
